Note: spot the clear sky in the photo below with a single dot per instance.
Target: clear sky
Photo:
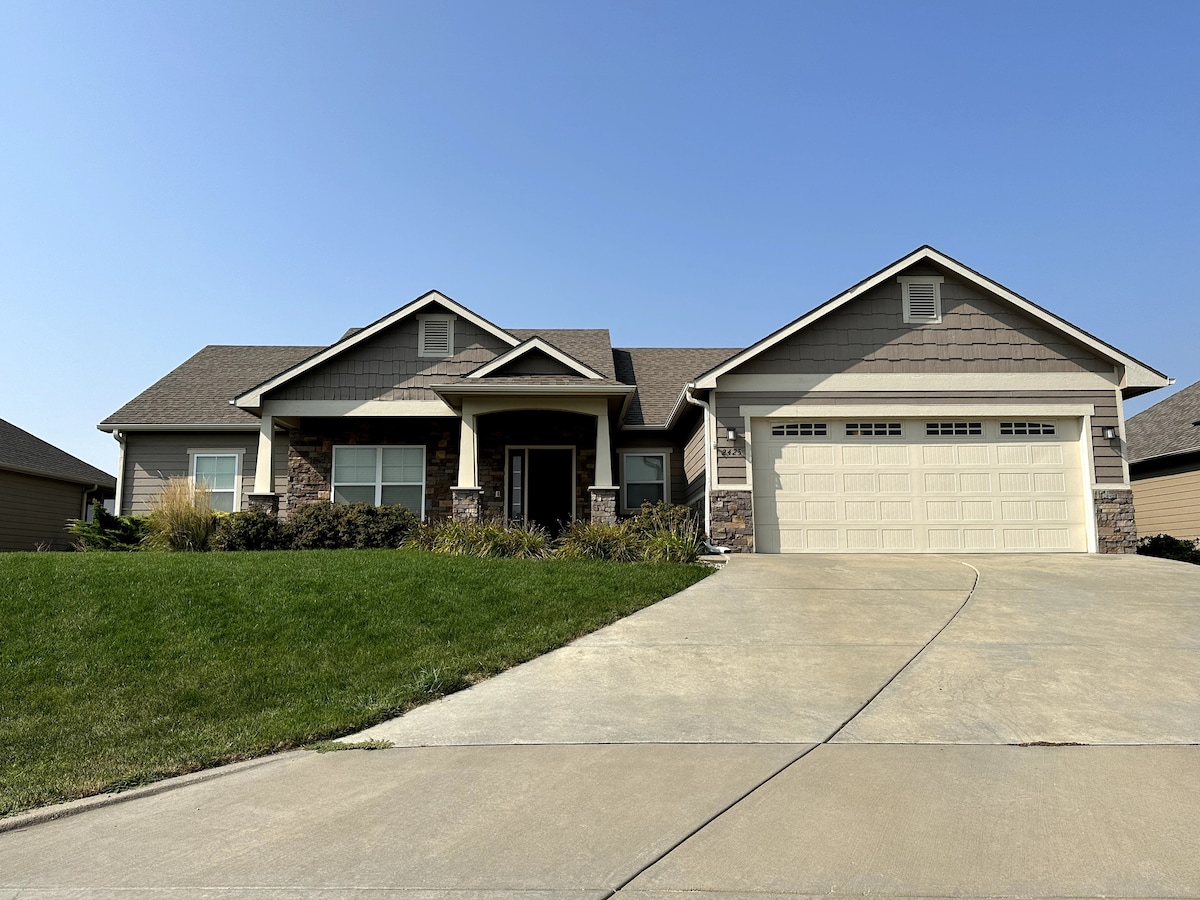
(683, 173)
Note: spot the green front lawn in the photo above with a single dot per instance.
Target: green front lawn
(121, 668)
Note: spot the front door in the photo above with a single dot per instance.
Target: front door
(541, 486)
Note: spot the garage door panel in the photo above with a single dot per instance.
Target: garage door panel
(871, 491)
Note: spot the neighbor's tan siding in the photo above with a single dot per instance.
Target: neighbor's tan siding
(976, 334)
(34, 511)
(1168, 504)
(151, 458)
(1106, 454)
(387, 367)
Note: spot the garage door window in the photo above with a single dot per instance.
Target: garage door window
(1027, 428)
(953, 429)
(799, 429)
(874, 429)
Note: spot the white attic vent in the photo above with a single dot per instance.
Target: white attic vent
(436, 336)
(922, 298)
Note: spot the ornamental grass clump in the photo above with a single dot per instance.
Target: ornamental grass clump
(613, 541)
(484, 540)
(181, 517)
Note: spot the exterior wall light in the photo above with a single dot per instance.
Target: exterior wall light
(1110, 433)
(731, 434)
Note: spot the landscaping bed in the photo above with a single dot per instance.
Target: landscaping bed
(117, 669)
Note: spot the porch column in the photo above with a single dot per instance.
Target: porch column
(264, 474)
(465, 495)
(604, 475)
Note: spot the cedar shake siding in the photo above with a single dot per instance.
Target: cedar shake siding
(36, 511)
(1106, 455)
(387, 367)
(151, 458)
(976, 334)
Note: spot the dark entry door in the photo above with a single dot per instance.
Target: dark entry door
(550, 487)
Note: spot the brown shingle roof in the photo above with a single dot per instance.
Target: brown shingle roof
(22, 452)
(199, 391)
(591, 346)
(1166, 427)
(660, 374)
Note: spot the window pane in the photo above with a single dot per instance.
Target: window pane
(216, 471)
(403, 464)
(403, 495)
(346, 494)
(637, 494)
(222, 501)
(643, 468)
(354, 465)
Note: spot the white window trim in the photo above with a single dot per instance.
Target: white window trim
(421, 322)
(665, 453)
(936, 280)
(238, 470)
(379, 483)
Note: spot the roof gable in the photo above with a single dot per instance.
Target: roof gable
(252, 399)
(535, 357)
(1137, 375)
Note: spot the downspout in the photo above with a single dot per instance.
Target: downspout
(120, 439)
(703, 404)
(86, 503)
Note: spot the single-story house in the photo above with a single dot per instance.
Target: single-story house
(1164, 465)
(43, 487)
(926, 409)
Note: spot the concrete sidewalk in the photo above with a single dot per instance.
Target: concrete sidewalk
(699, 746)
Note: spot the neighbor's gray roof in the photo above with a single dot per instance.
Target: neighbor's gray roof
(199, 391)
(22, 452)
(1166, 427)
(660, 374)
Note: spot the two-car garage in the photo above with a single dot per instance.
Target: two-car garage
(907, 485)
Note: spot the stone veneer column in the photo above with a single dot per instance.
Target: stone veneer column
(604, 504)
(733, 520)
(466, 503)
(1116, 529)
(269, 502)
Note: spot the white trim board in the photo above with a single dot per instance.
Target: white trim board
(358, 408)
(914, 411)
(922, 381)
(1137, 374)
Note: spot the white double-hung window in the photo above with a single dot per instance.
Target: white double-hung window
(644, 479)
(219, 473)
(381, 476)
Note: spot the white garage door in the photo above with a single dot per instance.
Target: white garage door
(918, 485)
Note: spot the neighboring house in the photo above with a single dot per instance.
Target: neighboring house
(927, 408)
(1164, 465)
(42, 487)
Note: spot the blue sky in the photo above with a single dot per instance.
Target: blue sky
(682, 173)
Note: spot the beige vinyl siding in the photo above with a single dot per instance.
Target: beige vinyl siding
(1106, 454)
(693, 464)
(977, 334)
(1168, 504)
(387, 366)
(151, 458)
(34, 511)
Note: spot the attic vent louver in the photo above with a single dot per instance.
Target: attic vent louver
(436, 336)
(922, 298)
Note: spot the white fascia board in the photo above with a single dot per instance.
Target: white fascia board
(252, 399)
(884, 382)
(1144, 375)
(535, 343)
(614, 390)
(191, 426)
(359, 408)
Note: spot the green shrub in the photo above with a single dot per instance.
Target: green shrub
(355, 526)
(1166, 547)
(109, 532)
(181, 517)
(599, 540)
(667, 533)
(486, 540)
(253, 529)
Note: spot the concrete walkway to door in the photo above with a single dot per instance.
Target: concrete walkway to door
(799, 726)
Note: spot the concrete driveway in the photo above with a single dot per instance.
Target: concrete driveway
(792, 726)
